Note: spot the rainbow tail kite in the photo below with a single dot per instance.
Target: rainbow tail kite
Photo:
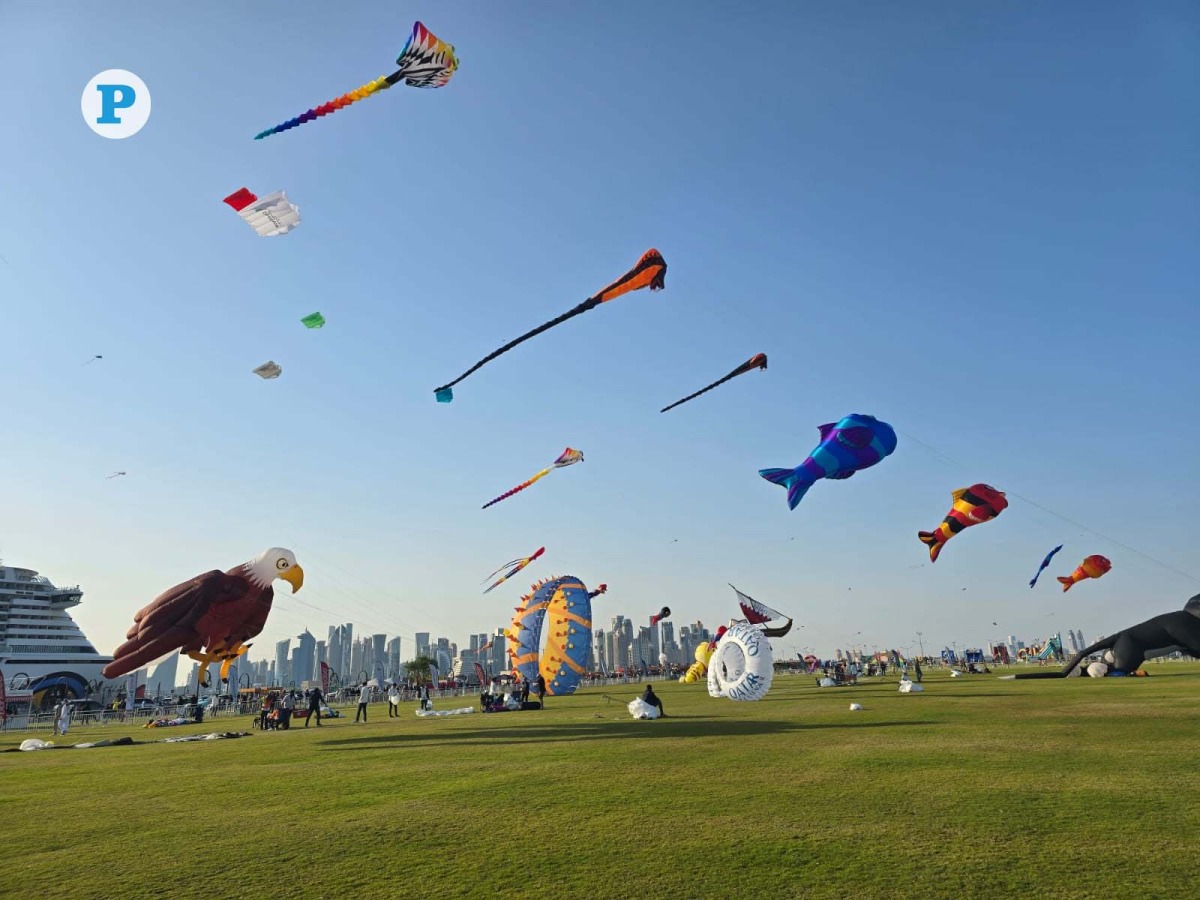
(517, 565)
(425, 62)
(758, 361)
(569, 458)
(651, 272)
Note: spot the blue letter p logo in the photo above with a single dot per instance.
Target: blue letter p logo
(109, 103)
(116, 104)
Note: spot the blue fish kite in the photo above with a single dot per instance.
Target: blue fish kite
(1045, 562)
(856, 442)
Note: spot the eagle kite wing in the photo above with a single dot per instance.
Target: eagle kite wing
(651, 272)
(758, 361)
(166, 623)
(568, 458)
(517, 565)
(425, 62)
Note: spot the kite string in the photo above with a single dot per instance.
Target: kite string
(1057, 515)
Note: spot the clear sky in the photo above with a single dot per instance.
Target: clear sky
(977, 222)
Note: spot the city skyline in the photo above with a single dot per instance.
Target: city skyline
(623, 644)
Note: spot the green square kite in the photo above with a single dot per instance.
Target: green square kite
(316, 320)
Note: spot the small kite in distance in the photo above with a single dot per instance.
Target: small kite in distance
(314, 320)
(270, 216)
(514, 566)
(568, 458)
(425, 62)
(269, 369)
(93, 359)
(758, 361)
(662, 614)
(113, 475)
(1045, 562)
(650, 271)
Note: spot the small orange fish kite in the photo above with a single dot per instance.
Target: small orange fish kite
(1092, 567)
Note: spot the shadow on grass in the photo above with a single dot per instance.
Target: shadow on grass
(587, 731)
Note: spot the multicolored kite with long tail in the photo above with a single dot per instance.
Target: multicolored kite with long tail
(425, 62)
(758, 361)
(651, 272)
(517, 565)
(569, 458)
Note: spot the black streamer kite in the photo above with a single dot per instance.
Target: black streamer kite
(758, 361)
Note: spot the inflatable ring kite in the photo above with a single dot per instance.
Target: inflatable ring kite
(741, 666)
(564, 661)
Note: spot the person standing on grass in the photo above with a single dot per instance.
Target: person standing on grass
(364, 696)
(541, 689)
(524, 691)
(285, 711)
(917, 668)
(314, 706)
(267, 703)
(393, 701)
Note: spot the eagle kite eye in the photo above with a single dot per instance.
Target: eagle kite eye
(281, 564)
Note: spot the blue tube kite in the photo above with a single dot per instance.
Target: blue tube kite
(1045, 562)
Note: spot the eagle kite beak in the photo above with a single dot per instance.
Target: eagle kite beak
(293, 576)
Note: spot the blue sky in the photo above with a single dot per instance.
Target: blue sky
(975, 221)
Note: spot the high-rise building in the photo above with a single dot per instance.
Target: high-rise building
(379, 659)
(422, 642)
(281, 661)
(357, 659)
(304, 657)
(599, 651)
(395, 657)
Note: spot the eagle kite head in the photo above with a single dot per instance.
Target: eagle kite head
(273, 563)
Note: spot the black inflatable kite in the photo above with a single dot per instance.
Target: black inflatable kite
(1129, 648)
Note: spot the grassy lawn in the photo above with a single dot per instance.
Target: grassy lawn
(1079, 788)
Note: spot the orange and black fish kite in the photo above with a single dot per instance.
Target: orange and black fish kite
(758, 361)
(972, 505)
(651, 272)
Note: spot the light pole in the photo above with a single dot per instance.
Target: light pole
(921, 643)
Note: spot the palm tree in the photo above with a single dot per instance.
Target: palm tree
(419, 669)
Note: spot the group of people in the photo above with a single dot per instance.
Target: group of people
(497, 700)
(277, 709)
(847, 672)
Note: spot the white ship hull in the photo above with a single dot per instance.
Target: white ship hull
(44, 656)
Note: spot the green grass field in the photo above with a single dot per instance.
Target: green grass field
(1079, 788)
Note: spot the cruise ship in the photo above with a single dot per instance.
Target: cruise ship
(44, 655)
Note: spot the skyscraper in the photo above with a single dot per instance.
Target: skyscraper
(379, 658)
(422, 638)
(281, 661)
(395, 657)
(306, 655)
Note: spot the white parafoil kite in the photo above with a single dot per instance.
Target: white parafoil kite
(269, 216)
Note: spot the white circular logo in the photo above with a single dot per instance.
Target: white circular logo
(116, 104)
